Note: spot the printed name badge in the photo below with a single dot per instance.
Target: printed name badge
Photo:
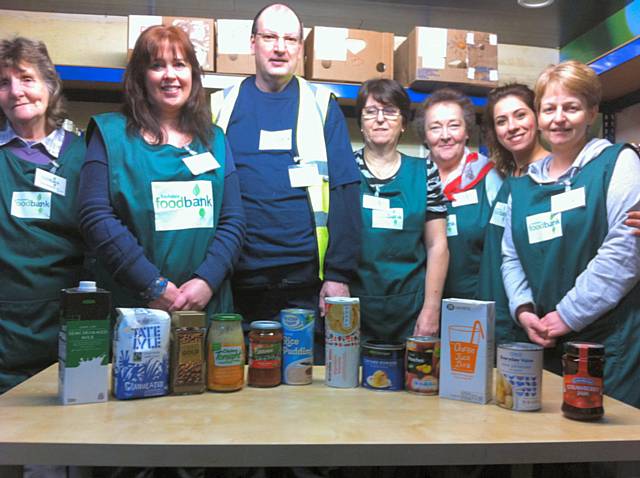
(465, 198)
(566, 201)
(392, 218)
(544, 226)
(201, 163)
(304, 175)
(275, 140)
(50, 182)
(452, 225)
(374, 202)
(182, 205)
(31, 205)
(499, 214)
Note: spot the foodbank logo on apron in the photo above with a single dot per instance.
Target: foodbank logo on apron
(31, 205)
(182, 205)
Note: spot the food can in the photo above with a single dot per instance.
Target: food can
(422, 365)
(383, 365)
(297, 351)
(519, 377)
(342, 341)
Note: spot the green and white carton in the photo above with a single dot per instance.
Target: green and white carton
(83, 344)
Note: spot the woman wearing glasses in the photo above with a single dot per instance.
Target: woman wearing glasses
(404, 248)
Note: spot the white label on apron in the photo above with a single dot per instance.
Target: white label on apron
(304, 175)
(201, 163)
(182, 204)
(568, 200)
(275, 140)
(499, 214)
(465, 198)
(544, 227)
(50, 182)
(31, 205)
(392, 218)
(374, 202)
(452, 225)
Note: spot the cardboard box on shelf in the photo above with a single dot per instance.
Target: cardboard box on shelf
(233, 48)
(467, 350)
(434, 57)
(344, 54)
(201, 32)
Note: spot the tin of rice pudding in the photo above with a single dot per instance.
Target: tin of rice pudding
(297, 351)
(383, 365)
(519, 376)
(422, 365)
(342, 341)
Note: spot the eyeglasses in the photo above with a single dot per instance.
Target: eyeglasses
(389, 112)
(290, 41)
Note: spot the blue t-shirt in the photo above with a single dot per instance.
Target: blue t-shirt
(280, 227)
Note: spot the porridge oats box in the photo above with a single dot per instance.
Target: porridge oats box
(467, 350)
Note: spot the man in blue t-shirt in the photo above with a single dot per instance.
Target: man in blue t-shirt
(279, 264)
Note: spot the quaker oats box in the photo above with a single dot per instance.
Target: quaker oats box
(348, 55)
(467, 350)
(233, 48)
(434, 57)
(201, 32)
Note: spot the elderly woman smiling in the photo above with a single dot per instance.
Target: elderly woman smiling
(40, 246)
(404, 248)
(470, 185)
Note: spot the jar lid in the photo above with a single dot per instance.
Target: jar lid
(265, 325)
(382, 345)
(423, 339)
(342, 300)
(526, 346)
(226, 317)
(593, 349)
(188, 318)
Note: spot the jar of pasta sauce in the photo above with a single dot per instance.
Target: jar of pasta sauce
(582, 387)
(265, 354)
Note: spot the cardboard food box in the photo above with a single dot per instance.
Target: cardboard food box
(233, 48)
(343, 54)
(434, 57)
(201, 32)
(467, 350)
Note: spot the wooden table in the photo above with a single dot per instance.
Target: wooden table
(302, 426)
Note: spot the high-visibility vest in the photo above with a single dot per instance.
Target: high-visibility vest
(312, 149)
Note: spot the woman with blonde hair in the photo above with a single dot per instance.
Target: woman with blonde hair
(571, 266)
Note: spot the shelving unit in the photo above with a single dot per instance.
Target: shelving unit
(110, 79)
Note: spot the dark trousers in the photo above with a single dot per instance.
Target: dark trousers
(264, 299)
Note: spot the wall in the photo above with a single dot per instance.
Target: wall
(627, 125)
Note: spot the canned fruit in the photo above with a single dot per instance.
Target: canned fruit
(519, 376)
(422, 365)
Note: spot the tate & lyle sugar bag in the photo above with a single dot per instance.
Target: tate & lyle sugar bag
(141, 353)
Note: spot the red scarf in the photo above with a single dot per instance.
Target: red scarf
(454, 186)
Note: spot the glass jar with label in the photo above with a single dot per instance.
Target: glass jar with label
(265, 354)
(582, 387)
(225, 353)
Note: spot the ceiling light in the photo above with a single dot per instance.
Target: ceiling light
(535, 3)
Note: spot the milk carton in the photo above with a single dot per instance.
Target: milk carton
(141, 353)
(83, 344)
(467, 338)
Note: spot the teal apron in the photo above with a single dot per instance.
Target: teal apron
(490, 286)
(552, 267)
(38, 258)
(139, 175)
(391, 270)
(466, 241)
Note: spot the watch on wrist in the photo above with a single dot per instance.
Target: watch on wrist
(155, 290)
